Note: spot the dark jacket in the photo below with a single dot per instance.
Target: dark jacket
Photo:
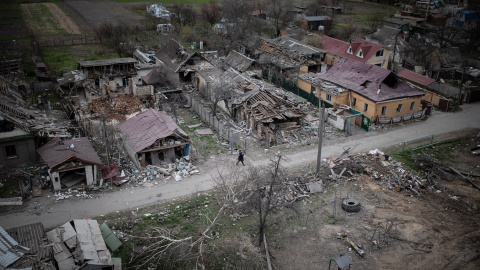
(240, 156)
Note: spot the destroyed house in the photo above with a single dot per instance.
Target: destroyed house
(71, 162)
(17, 147)
(264, 112)
(79, 244)
(360, 50)
(152, 138)
(286, 53)
(369, 89)
(102, 71)
(25, 247)
(239, 61)
(204, 81)
(177, 59)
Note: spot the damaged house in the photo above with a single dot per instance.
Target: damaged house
(376, 92)
(152, 138)
(181, 64)
(70, 162)
(285, 54)
(104, 71)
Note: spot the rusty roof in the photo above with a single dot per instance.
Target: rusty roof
(147, 127)
(414, 77)
(56, 152)
(373, 82)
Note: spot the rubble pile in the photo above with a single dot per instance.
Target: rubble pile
(149, 175)
(115, 108)
(79, 193)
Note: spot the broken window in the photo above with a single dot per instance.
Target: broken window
(384, 110)
(379, 53)
(399, 108)
(365, 107)
(329, 97)
(11, 151)
(412, 106)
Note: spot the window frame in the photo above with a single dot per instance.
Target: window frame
(328, 97)
(9, 153)
(379, 53)
(412, 106)
(354, 102)
(365, 107)
(399, 108)
(384, 110)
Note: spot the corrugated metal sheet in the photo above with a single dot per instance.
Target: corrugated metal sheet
(110, 238)
(147, 127)
(7, 245)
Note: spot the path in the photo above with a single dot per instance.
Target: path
(56, 213)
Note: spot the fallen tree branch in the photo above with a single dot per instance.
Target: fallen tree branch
(468, 180)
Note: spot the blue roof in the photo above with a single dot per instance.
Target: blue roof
(471, 15)
(8, 245)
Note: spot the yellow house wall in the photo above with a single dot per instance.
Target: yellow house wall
(433, 98)
(379, 60)
(303, 69)
(342, 98)
(331, 59)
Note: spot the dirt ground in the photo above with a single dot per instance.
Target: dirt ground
(397, 230)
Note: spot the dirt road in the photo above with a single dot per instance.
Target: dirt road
(52, 213)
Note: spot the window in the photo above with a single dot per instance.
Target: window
(412, 106)
(312, 89)
(360, 53)
(365, 107)
(354, 102)
(399, 108)
(349, 50)
(378, 65)
(379, 53)
(384, 110)
(11, 151)
(329, 98)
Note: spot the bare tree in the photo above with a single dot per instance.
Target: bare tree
(265, 195)
(346, 32)
(280, 13)
(211, 12)
(183, 15)
(116, 37)
(222, 91)
(374, 20)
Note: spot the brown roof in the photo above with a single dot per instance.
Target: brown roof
(57, 152)
(373, 82)
(414, 77)
(147, 127)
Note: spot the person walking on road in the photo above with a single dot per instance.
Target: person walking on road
(240, 158)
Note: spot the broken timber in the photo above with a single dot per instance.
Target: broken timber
(468, 180)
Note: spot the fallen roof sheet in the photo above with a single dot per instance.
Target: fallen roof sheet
(147, 127)
(56, 152)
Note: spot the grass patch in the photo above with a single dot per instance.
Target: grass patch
(443, 151)
(42, 20)
(59, 60)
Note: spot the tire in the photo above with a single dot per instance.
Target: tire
(351, 205)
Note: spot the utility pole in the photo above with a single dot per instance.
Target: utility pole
(105, 136)
(320, 134)
(394, 51)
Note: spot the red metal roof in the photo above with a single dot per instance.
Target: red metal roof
(414, 77)
(56, 152)
(339, 48)
(147, 127)
(366, 80)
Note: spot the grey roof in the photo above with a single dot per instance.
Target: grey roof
(317, 18)
(33, 237)
(147, 127)
(107, 62)
(14, 134)
(173, 55)
(11, 250)
(370, 81)
(210, 75)
(238, 61)
(385, 35)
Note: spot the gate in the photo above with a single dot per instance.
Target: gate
(443, 104)
(365, 122)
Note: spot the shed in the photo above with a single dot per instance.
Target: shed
(70, 162)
